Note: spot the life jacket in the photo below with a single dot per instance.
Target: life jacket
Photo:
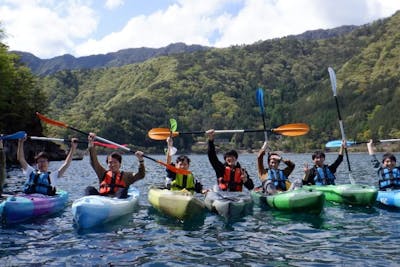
(39, 182)
(324, 176)
(183, 182)
(278, 178)
(231, 181)
(389, 178)
(111, 183)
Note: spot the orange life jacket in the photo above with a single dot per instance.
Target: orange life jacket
(231, 181)
(111, 183)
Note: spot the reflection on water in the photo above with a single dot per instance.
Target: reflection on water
(340, 235)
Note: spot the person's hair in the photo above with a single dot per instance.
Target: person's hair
(43, 155)
(232, 153)
(388, 156)
(272, 154)
(182, 158)
(318, 154)
(115, 155)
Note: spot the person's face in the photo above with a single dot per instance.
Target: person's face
(113, 164)
(319, 161)
(42, 164)
(273, 163)
(183, 164)
(231, 160)
(388, 163)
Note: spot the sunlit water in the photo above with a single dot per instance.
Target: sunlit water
(341, 235)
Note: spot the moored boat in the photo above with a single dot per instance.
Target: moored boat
(231, 205)
(299, 200)
(94, 210)
(389, 198)
(182, 205)
(22, 207)
(352, 194)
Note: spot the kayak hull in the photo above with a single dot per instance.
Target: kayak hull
(229, 204)
(181, 205)
(299, 200)
(95, 210)
(352, 194)
(22, 207)
(389, 198)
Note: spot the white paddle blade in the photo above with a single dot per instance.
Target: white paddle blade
(332, 76)
(172, 151)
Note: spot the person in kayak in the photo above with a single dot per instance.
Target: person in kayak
(387, 171)
(230, 175)
(321, 173)
(273, 179)
(176, 181)
(41, 180)
(113, 182)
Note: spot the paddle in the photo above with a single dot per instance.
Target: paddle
(338, 143)
(14, 136)
(260, 102)
(64, 125)
(292, 129)
(42, 138)
(332, 77)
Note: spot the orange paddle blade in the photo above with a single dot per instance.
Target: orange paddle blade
(161, 133)
(292, 129)
(50, 121)
(174, 169)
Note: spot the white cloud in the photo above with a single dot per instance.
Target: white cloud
(46, 28)
(49, 27)
(111, 4)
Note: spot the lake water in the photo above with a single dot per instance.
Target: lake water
(340, 236)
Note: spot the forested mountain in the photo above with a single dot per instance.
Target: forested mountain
(115, 59)
(215, 88)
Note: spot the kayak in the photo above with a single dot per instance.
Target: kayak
(353, 194)
(389, 198)
(299, 200)
(182, 205)
(22, 207)
(231, 205)
(94, 210)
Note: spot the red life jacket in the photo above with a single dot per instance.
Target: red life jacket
(231, 181)
(111, 184)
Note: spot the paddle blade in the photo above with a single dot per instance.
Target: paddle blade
(292, 129)
(173, 125)
(50, 121)
(332, 76)
(174, 169)
(14, 136)
(161, 133)
(338, 143)
(260, 99)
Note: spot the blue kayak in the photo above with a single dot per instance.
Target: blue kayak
(389, 198)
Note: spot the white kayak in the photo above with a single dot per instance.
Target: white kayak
(231, 205)
(90, 211)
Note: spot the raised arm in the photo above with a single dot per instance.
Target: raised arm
(20, 153)
(94, 162)
(68, 159)
(262, 172)
(170, 144)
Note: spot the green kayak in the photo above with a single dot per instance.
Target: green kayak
(230, 205)
(353, 194)
(181, 205)
(299, 200)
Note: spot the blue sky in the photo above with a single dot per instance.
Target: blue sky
(49, 28)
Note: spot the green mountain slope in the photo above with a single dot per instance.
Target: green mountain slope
(216, 89)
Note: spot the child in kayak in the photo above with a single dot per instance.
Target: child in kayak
(40, 180)
(321, 173)
(388, 172)
(273, 179)
(113, 182)
(176, 181)
(230, 175)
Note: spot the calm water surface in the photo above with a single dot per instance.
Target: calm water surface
(340, 236)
